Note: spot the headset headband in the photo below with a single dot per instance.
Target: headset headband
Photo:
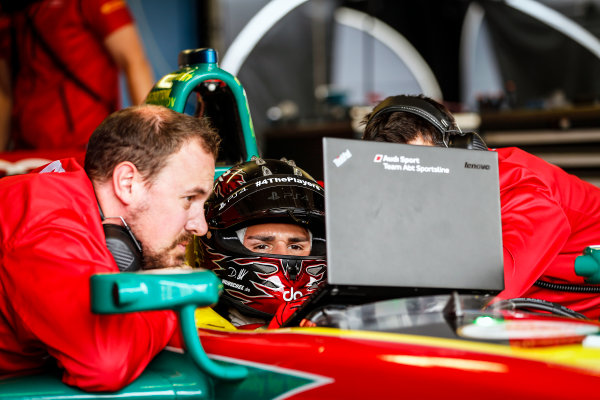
(452, 136)
(419, 107)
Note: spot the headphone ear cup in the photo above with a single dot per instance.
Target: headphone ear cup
(478, 142)
(123, 249)
(467, 140)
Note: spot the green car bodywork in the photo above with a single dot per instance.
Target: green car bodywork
(197, 67)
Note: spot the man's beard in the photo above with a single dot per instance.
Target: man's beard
(164, 258)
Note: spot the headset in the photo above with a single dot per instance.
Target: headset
(123, 245)
(452, 136)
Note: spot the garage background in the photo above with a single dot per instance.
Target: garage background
(521, 72)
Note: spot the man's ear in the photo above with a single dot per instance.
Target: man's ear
(124, 180)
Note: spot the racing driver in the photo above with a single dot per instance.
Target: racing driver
(265, 241)
(149, 167)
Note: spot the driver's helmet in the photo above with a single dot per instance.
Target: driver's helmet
(256, 192)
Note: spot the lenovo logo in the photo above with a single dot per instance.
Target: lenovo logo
(476, 166)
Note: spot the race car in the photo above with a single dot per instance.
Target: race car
(453, 346)
(444, 345)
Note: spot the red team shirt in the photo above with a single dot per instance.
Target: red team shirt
(50, 110)
(51, 242)
(548, 218)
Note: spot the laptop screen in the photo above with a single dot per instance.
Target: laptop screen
(412, 216)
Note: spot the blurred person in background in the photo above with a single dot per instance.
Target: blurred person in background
(59, 70)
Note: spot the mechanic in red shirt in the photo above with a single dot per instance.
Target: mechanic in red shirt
(548, 215)
(147, 167)
(59, 70)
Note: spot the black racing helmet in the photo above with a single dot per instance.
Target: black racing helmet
(256, 192)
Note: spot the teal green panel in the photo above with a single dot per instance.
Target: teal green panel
(261, 384)
(169, 376)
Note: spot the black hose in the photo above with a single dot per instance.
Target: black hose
(537, 304)
(567, 288)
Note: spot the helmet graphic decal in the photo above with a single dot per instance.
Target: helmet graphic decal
(229, 182)
(266, 282)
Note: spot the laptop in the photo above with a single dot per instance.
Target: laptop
(404, 220)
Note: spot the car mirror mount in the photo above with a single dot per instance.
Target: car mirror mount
(117, 293)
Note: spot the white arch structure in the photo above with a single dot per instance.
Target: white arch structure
(275, 10)
(255, 29)
(397, 43)
(559, 22)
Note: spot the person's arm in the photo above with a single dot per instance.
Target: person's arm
(6, 99)
(125, 47)
(46, 275)
(5, 104)
(534, 231)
